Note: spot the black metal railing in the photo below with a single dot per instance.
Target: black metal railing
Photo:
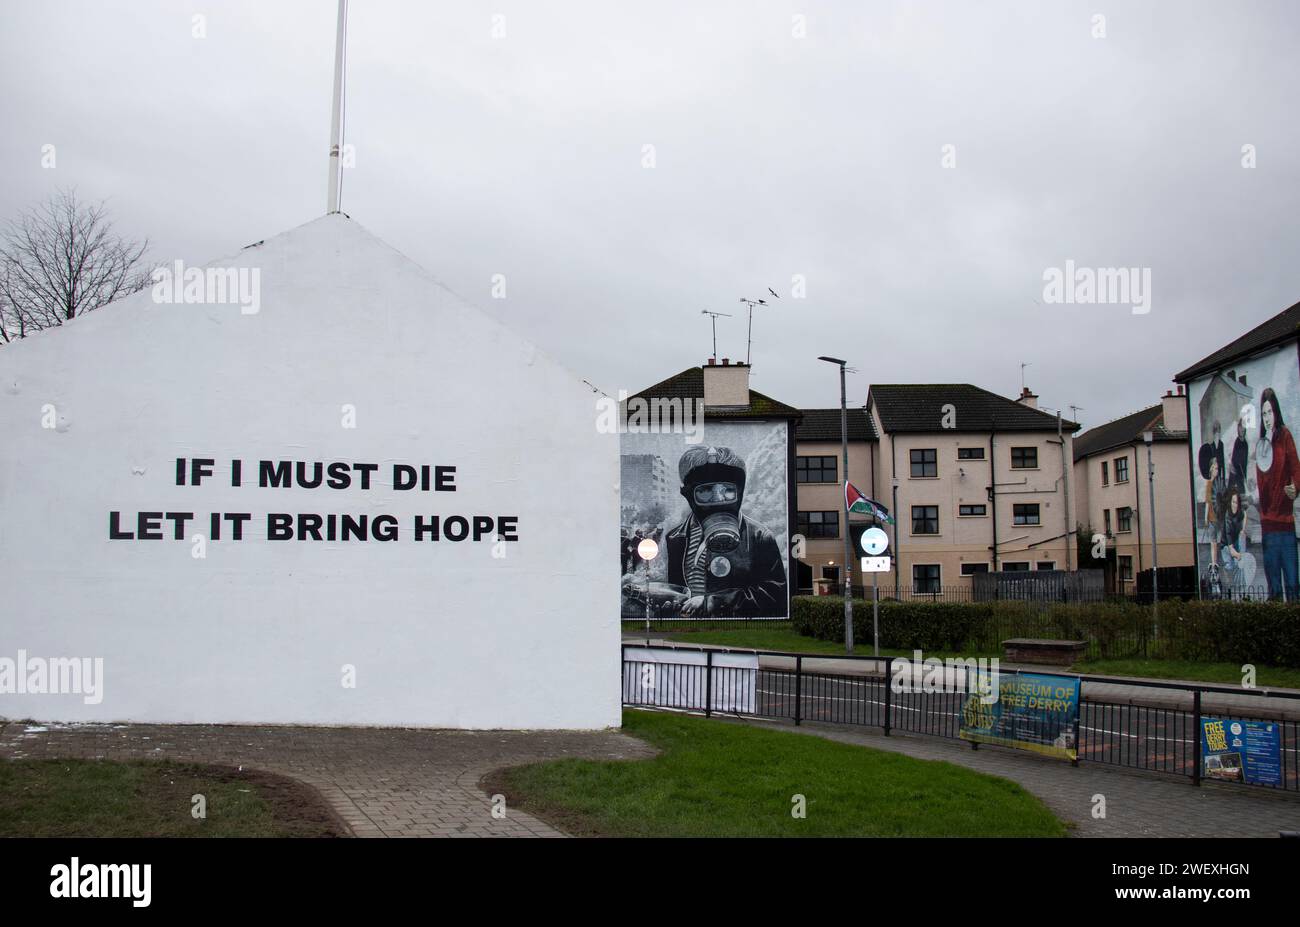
(1157, 730)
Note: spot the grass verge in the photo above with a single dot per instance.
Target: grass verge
(793, 642)
(783, 639)
(1224, 673)
(103, 798)
(722, 779)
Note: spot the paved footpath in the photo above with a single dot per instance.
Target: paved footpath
(1137, 804)
(383, 782)
(421, 783)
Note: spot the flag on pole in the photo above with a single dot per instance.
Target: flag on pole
(855, 501)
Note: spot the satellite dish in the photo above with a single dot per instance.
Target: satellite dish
(874, 542)
(648, 549)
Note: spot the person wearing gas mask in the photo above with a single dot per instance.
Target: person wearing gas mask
(730, 565)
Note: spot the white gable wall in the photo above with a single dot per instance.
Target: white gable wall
(440, 634)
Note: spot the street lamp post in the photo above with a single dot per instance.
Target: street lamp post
(848, 542)
(647, 550)
(1147, 438)
(897, 566)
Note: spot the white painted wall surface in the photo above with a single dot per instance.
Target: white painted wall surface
(441, 634)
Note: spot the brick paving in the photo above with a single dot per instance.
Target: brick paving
(1137, 804)
(383, 782)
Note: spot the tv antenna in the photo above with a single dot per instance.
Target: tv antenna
(749, 338)
(1074, 412)
(714, 315)
(1023, 365)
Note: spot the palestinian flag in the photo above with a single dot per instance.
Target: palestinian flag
(854, 501)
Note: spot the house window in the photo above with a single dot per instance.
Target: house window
(1015, 566)
(925, 519)
(1125, 518)
(925, 462)
(970, 569)
(1125, 569)
(815, 470)
(1121, 469)
(972, 511)
(1105, 473)
(818, 524)
(1045, 565)
(925, 577)
(1024, 458)
(1025, 513)
(970, 453)
(1105, 514)
(832, 573)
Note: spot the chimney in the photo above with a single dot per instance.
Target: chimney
(1027, 398)
(1174, 410)
(726, 385)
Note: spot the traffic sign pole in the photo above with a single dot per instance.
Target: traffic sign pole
(874, 543)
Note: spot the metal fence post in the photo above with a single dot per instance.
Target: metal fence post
(708, 685)
(798, 690)
(1196, 737)
(889, 674)
(1078, 710)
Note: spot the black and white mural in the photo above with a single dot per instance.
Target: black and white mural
(718, 510)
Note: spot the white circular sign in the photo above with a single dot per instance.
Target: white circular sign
(874, 541)
(648, 549)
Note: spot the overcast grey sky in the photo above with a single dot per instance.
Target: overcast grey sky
(775, 156)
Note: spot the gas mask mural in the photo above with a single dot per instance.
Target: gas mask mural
(717, 559)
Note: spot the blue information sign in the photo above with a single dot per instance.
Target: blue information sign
(1241, 751)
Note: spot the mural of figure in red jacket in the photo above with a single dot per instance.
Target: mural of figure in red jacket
(1277, 473)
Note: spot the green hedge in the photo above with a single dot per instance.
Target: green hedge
(1266, 633)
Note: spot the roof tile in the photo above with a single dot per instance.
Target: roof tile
(1274, 331)
(824, 425)
(921, 407)
(689, 384)
(1126, 430)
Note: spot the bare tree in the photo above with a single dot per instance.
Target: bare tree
(62, 259)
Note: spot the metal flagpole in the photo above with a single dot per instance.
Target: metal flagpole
(336, 112)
